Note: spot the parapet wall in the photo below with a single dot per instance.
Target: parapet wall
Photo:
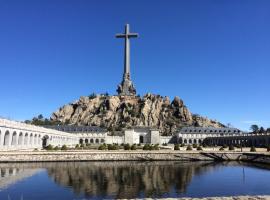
(132, 156)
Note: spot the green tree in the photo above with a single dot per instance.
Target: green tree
(254, 128)
(261, 130)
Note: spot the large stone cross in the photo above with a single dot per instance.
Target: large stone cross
(126, 87)
(127, 35)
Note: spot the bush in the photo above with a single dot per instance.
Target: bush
(133, 147)
(195, 146)
(189, 148)
(253, 149)
(199, 148)
(113, 147)
(146, 147)
(64, 147)
(102, 147)
(77, 146)
(268, 148)
(49, 147)
(156, 147)
(221, 149)
(36, 149)
(204, 145)
(182, 145)
(176, 147)
(231, 148)
(56, 148)
(164, 144)
(224, 146)
(127, 147)
(82, 145)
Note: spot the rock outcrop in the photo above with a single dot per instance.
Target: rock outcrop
(118, 112)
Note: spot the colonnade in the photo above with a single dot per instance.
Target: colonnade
(17, 135)
(257, 140)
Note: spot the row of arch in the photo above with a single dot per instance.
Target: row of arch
(13, 138)
(91, 141)
(248, 141)
(192, 141)
(18, 139)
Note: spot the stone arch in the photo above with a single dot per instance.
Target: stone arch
(35, 139)
(92, 140)
(14, 139)
(45, 141)
(86, 141)
(102, 141)
(20, 141)
(26, 137)
(6, 138)
(81, 141)
(97, 141)
(190, 141)
(200, 141)
(185, 141)
(194, 141)
(39, 139)
(31, 139)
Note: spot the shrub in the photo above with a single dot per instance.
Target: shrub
(77, 146)
(82, 145)
(127, 147)
(224, 146)
(156, 147)
(49, 147)
(195, 146)
(199, 148)
(164, 144)
(64, 147)
(102, 147)
(56, 148)
(182, 145)
(253, 149)
(221, 149)
(176, 147)
(238, 146)
(133, 147)
(231, 148)
(189, 148)
(35, 149)
(113, 147)
(268, 148)
(204, 145)
(146, 147)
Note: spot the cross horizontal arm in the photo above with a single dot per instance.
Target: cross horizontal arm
(133, 35)
(120, 35)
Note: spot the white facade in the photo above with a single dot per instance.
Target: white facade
(17, 135)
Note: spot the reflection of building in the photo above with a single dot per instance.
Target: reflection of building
(126, 179)
(11, 175)
(196, 135)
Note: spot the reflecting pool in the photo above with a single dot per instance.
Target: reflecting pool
(99, 180)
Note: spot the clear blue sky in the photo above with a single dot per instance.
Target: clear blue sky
(215, 55)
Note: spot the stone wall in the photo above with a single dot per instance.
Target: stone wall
(138, 155)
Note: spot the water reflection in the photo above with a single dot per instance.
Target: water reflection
(115, 179)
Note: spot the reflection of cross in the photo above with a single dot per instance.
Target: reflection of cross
(127, 35)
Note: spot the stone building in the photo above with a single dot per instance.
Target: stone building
(196, 135)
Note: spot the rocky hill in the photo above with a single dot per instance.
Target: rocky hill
(118, 112)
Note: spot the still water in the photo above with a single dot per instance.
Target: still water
(99, 180)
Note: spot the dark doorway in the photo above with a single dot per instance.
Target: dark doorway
(141, 139)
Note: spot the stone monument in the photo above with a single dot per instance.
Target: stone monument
(126, 88)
